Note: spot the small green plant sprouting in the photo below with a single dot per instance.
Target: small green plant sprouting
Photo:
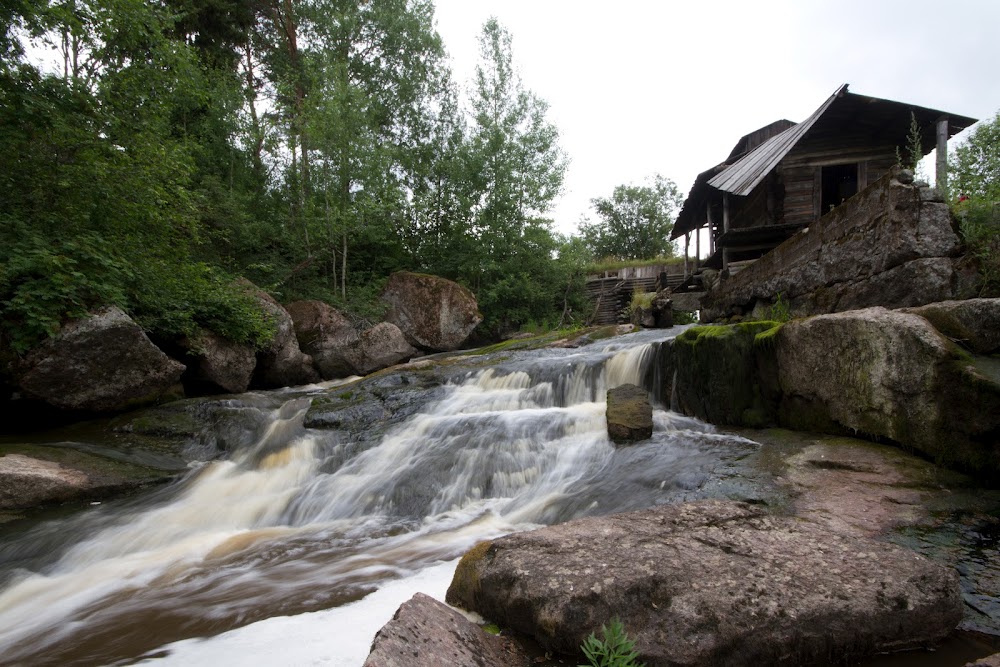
(615, 649)
(914, 151)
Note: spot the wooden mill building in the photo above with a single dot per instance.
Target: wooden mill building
(785, 176)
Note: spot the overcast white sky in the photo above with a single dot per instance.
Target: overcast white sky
(639, 87)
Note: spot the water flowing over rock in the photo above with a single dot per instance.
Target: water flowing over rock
(281, 363)
(433, 313)
(427, 633)
(218, 364)
(710, 583)
(100, 363)
(629, 414)
(327, 336)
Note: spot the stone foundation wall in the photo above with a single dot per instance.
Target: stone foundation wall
(891, 245)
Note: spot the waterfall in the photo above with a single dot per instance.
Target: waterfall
(292, 524)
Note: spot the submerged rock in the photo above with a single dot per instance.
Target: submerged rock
(433, 313)
(711, 583)
(427, 633)
(100, 363)
(629, 414)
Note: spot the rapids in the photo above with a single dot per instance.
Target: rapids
(308, 519)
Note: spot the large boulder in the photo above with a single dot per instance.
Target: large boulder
(327, 336)
(433, 313)
(381, 346)
(711, 583)
(218, 364)
(629, 414)
(427, 633)
(973, 323)
(890, 375)
(100, 363)
(281, 363)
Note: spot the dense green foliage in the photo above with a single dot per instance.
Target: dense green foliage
(635, 222)
(975, 166)
(614, 649)
(154, 152)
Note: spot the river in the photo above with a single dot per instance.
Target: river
(308, 519)
(295, 542)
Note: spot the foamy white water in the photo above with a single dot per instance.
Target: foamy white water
(304, 520)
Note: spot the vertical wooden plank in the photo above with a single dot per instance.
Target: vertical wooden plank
(941, 175)
(697, 248)
(817, 192)
(711, 228)
(725, 212)
(687, 245)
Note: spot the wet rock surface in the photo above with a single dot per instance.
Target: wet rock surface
(629, 414)
(711, 583)
(428, 633)
(32, 477)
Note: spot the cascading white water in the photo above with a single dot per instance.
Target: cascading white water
(271, 531)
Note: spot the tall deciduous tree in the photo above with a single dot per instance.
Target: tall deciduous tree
(516, 170)
(635, 221)
(976, 163)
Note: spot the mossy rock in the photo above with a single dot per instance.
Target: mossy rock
(464, 589)
(722, 372)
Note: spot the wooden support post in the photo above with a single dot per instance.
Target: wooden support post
(711, 229)
(687, 244)
(941, 177)
(725, 228)
(697, 248)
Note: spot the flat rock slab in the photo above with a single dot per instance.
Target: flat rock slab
(711, 583)
(427, 633)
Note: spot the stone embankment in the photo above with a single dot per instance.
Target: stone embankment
(892, 245)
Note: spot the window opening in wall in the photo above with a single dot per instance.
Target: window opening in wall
(840, 182)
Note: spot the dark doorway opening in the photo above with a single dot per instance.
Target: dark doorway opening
(840, 182)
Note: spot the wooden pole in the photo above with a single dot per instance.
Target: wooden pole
(687, 244)
(725, 228)
(941, 178)
(711, 229)
(697, 248)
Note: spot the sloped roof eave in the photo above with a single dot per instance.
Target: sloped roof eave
(746, 173)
